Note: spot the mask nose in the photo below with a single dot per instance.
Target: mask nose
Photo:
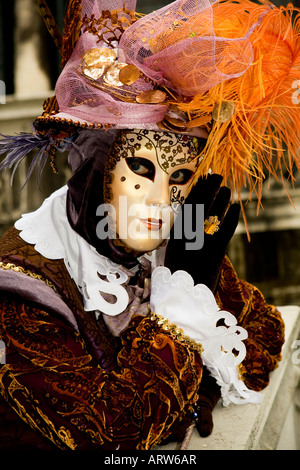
(159, 194)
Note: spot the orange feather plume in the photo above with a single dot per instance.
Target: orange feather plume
(262, 136)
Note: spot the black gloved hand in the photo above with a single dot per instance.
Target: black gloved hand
(204, 264)
(209, 395)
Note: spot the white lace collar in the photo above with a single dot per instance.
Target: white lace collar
(49, 231)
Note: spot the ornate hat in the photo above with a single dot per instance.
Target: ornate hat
(227, 70)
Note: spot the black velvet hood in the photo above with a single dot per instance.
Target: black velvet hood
(87, 160)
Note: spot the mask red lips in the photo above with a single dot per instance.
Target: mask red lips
(152, 224)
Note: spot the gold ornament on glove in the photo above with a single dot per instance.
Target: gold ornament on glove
(211, 225)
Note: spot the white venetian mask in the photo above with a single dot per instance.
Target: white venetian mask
(148, 176)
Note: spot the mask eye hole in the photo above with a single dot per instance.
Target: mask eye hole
(181, 176)
(142, 167)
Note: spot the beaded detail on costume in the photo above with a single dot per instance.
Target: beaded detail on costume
(174, 330)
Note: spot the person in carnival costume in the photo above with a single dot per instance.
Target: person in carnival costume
(123, 326)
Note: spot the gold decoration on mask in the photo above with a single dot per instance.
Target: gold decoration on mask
(151, 97)
(129, 74)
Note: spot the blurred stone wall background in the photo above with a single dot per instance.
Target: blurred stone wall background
(29, 66)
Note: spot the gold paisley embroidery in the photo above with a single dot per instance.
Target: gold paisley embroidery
(66, 437)
(33, 414)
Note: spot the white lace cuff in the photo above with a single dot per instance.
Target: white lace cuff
(194, 310)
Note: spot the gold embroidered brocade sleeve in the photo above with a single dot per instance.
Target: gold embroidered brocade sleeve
(57, 387)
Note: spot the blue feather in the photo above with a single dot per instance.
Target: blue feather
(21, 145)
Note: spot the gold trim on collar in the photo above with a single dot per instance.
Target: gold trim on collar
(19, 269)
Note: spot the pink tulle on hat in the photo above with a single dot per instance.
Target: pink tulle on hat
(88, 97)
(160, 43)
